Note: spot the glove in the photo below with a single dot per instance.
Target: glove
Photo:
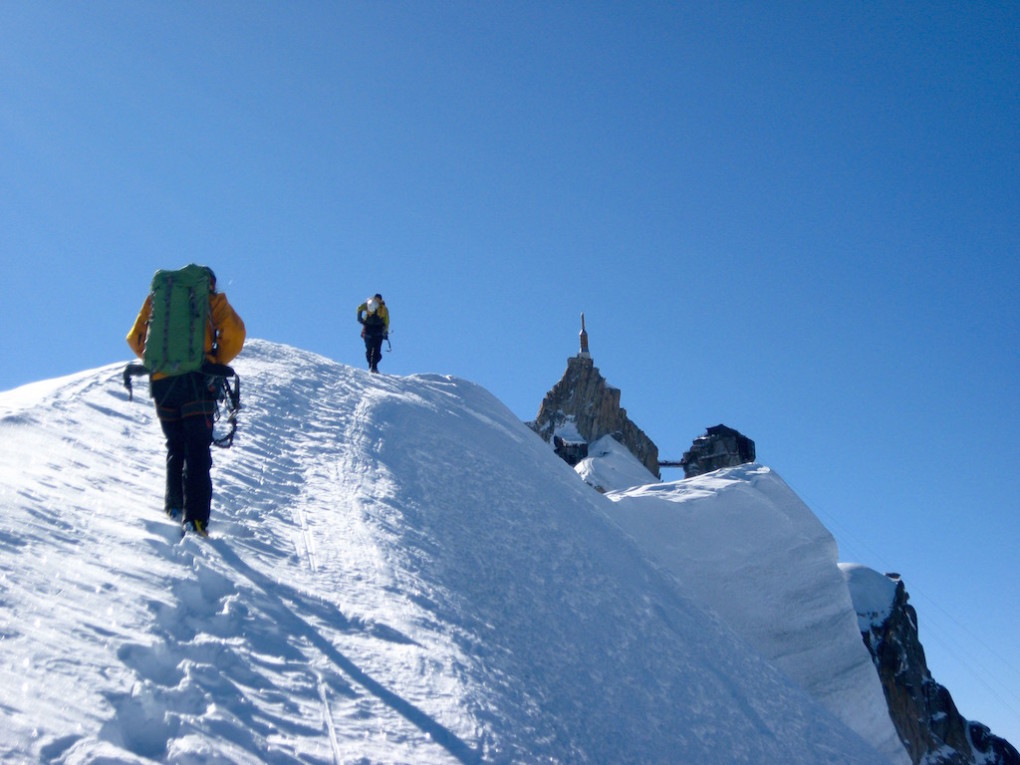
(360, 320)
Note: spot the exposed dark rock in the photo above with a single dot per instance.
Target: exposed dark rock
(927, 720)
(584, 399)
(720, 447)
(570, 452)
(1001, 751)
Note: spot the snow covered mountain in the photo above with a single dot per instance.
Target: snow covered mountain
(743, 545)
(400, 571)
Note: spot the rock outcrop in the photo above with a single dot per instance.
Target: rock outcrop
(928, 722)
(583, 407)
(720, 447)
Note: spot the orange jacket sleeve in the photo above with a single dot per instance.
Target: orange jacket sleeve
(140, 330)
(229, 327)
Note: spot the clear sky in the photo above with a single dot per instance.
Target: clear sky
(798, 219)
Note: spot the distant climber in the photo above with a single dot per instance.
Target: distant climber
(183, 327)
(375, 327)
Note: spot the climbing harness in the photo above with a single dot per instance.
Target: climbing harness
(225, 385)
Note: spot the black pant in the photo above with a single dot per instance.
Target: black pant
(373, 349)
(185, 406)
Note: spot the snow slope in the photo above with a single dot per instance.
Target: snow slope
(743, 545)
(873, 594)
(609, 465)
(400, 571)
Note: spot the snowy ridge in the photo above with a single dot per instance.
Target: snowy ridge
(400, 571)
(742, 544)
(873, 594)
(609, 465)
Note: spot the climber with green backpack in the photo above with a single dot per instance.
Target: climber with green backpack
(186, 333)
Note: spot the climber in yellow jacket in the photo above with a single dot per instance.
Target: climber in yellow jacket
(185, 404)
(375, 328)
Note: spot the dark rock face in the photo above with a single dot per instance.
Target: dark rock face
(927, 720)
(720, 447)
(584, 398)
(569, 451)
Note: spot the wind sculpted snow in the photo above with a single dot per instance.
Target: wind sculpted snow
(399, 571)
(742, 544)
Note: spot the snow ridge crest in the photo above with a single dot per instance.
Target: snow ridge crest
(399, 570)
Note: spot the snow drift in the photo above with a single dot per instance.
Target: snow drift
(400, 571)
(743, 545)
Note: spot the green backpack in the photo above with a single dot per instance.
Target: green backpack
(175, 343)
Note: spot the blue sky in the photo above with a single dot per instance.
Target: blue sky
(800, 220)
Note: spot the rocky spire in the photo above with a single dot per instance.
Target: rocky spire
(583, 403)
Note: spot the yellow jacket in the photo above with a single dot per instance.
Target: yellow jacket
(223, 321)
(382, 312)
